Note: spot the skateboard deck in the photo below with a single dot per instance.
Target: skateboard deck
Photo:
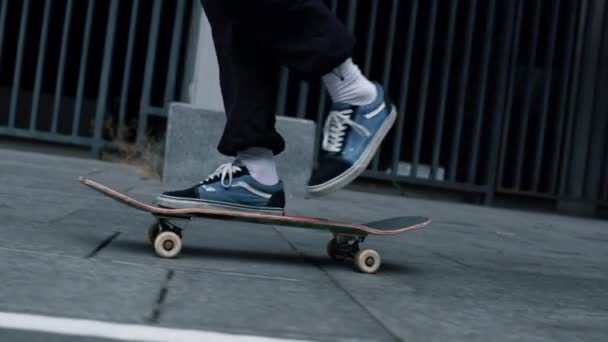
(166, 236)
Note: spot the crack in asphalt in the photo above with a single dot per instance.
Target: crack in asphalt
(339, 286)
(160, 300)
(103, 245)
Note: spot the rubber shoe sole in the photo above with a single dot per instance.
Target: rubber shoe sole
(183, 203)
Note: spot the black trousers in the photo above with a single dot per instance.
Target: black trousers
(253, 38)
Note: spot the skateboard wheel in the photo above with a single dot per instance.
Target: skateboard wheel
(167, 245)
(153, 232)
(332, 249)
(367, 261)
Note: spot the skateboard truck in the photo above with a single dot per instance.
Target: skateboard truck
(346, 246)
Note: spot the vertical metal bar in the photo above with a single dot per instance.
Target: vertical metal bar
(148, 71)
(565, 83)
(509, 99)
(320, 112)
(462, 90)
(405, 84)
(83, 68)
(540, 141)
(19, 63)
(390, 44)
(601, 104)
(483, 91)
(388, 61)
(65, 39)
(426, 71)
(304, 87)
(594, 89)
(3, 11)
(126, 78)
(573, 95)
(523, 127)
(567, 149)
(333, 7)
(505, 62)
(351, 15)
(322, 101)
(302, 100)
(282, 95)
(175, 44)
(605, 172)
(108, 49)
(44, 30)
(447, 63)
(371, 32)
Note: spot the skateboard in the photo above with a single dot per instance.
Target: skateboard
(166, 236)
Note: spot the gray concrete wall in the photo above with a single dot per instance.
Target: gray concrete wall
(204, 80)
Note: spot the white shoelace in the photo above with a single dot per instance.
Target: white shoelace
(335, 130)
(222, 171)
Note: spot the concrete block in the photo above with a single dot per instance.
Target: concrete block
(191, 147)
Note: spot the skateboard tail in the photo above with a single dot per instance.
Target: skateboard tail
(110, 193)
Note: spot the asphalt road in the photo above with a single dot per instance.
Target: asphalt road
(77, 266)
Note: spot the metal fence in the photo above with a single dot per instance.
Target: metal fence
(494, 97)
(80, 71)
(604, 174)
(486, 91)
(592, 102)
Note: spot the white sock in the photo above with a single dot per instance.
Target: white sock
(347, 84)
(260, 163)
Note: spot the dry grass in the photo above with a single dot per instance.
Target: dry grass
(145, 156)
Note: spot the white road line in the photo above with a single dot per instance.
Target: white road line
(116, 331)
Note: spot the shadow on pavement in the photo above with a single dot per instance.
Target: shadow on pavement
(211, 253)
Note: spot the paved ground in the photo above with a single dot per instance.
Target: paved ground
(478, 274)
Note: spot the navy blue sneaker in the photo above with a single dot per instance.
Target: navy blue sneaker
(351, 137)
(229, 187)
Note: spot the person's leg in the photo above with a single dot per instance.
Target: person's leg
(308, 38)
(251, 38)
(346, 84)
(352, 135)
(304, 35)
(248, 79)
